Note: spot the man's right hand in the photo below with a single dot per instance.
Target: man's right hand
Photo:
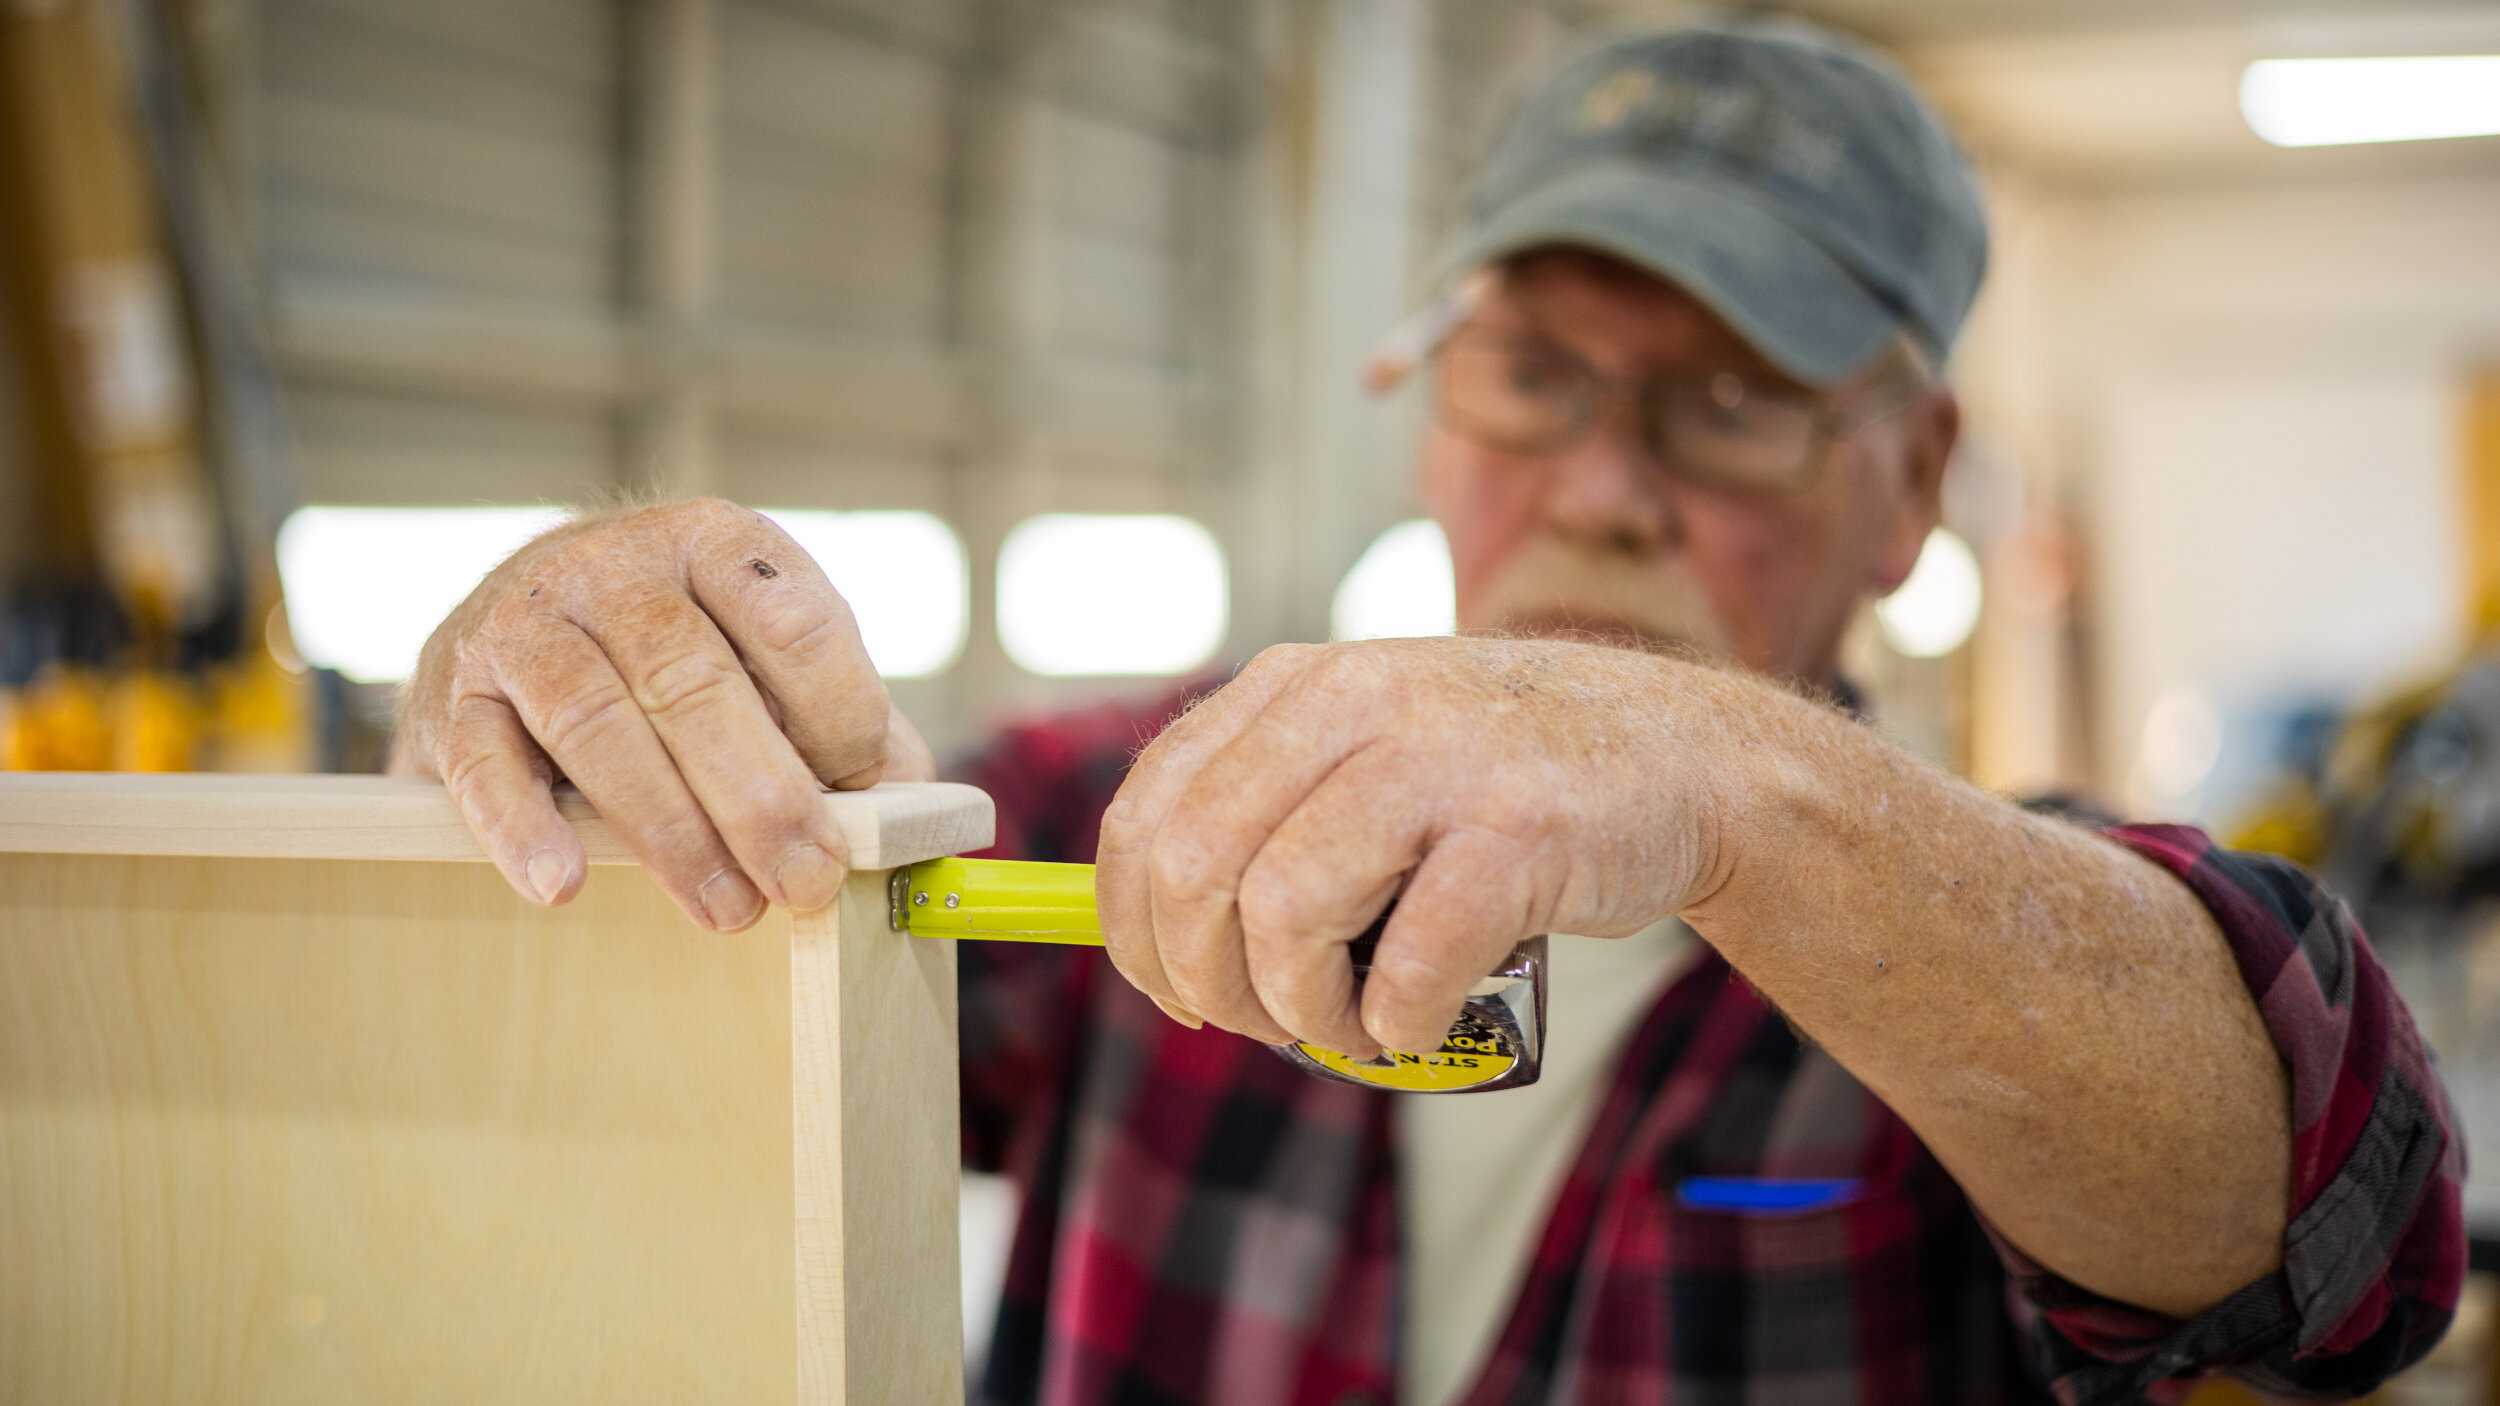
(689, 668)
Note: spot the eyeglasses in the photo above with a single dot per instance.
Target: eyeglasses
(1529, 394)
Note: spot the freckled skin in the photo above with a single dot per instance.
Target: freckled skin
(2025, 994)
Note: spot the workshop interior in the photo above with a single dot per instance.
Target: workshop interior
(314, 310)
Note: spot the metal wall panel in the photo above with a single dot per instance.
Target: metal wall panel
(366, 446)
(457, 157)
(984, 257)
(834, 199)
(453, 149)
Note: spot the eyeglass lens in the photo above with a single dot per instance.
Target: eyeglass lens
(1528, 395)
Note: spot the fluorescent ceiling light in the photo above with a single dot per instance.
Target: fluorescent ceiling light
(1934, 611)
(1400, 586)
(904, 576)
(2335, 102)
(1082, 594)
(365, 586)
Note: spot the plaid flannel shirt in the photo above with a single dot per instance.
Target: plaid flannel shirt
(1203, 1223)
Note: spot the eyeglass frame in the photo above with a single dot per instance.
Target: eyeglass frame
(1828, 423)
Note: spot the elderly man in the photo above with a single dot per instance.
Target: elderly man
(2049, 1110)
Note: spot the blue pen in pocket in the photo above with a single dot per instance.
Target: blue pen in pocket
(1765, 1196)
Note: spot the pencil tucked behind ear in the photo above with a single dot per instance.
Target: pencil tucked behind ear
(1413, 340)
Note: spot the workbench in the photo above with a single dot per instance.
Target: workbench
(300, 1103)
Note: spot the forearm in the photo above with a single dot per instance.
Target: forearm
(2060, 1020)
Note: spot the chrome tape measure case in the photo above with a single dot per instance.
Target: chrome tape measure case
(1498, 1041)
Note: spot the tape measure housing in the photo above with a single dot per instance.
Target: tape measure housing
(1497, 1042)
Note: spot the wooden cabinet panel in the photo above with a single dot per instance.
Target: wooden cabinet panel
(329, 1123)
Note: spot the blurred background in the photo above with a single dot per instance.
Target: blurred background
(314, 308)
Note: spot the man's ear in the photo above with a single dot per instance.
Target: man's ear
(1928, 427)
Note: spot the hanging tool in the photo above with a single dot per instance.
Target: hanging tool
(1497, 1042)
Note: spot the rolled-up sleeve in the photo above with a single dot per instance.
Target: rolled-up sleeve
(2374, 1251)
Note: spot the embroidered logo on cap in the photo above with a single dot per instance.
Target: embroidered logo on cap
(1734, 122)
(1617, 98)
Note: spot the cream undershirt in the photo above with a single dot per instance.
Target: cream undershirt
(1479, 1172)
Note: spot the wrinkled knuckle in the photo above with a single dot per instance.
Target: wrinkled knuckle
(1272, 906)
(776, 802)
(856, 741)
(803, 626)
(1186, 970)
(1124, 831)
(581, 714)
(535, 586)
(572, 577)
(1409, 974)
(687, 683)
(1280, 655)
(704, 522)
(489, 665)
(1181, 872)
(698, 512)
(461, 769)
(1338, 674)
(686, 846)
(1121, 820)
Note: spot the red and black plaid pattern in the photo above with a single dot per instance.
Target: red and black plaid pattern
(1204, 1224)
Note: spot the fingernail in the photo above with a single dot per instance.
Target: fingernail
(1180, 1014)
(548, 870)
(729, 902)
(808, 877)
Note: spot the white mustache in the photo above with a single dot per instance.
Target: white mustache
(1547, 588)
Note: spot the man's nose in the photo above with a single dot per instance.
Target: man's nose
(1609, 492)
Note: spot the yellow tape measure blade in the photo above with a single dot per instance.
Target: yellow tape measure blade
(998, 899)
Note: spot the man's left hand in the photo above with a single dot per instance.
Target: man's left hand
(1494, 789)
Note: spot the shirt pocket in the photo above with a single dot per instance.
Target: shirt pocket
(1816, 1280)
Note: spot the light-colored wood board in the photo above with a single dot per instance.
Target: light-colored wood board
(874, 1124)
(378, 817)
(282, 1131)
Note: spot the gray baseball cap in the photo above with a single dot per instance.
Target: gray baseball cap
(1789, 178)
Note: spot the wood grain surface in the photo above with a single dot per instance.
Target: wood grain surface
(381, 817)
(877, 1150)
(278, 1130)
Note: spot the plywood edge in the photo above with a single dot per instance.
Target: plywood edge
(381, 817)
(874, 1127)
